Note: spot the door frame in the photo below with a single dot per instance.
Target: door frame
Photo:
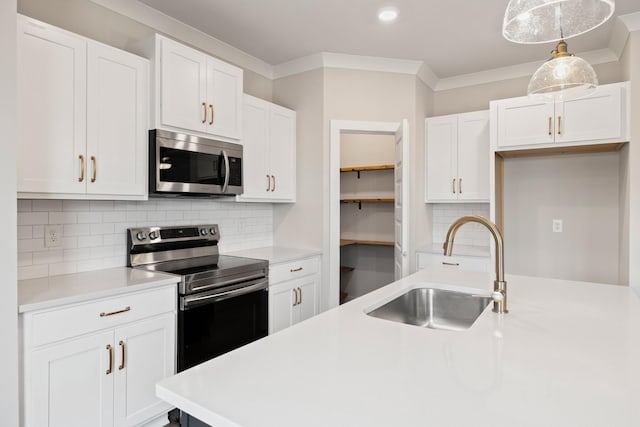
(332, 238)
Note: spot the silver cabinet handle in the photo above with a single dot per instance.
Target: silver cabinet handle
(273, 183)
(455, 264)
(293, 270)
(460, 185)
(268, 183)
(300, 293)
(453, 186)
(295, 296)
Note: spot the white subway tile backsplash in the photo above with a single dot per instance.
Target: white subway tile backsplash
(46, 205)
(32, 218)
(94, 232)
(63, 217)
(444, 214)
(89, 217)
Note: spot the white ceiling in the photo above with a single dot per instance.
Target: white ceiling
(452, 37)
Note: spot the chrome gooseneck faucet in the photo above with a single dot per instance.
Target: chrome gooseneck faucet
(499, 285)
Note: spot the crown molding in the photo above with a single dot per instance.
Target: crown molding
(345, 61)
(179, 30)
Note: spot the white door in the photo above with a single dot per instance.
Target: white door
(116, 122)
(145, 354)
(282, 299)
(307, 289)
(282, 152)
(442, 158)
(594, 117)
(255, 173)
(401, 205)
(71, 384)
(183, 87)
(224, 97)
(52, 96)
(522, 121)
(473, 156)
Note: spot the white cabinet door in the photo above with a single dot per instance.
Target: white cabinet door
(269, 155)
(281, 307)
(71, 384)
(51, 108)
(224, 96)
(522, 121)
(255, 161)
(307, 298)
(183, 87)
(442, 157)
(458, 157)
(597, 116)
(144, 355)
(198, 92)
(117, 122)
(473, 156)
(282, 152)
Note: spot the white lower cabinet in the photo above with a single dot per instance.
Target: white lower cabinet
(293, 292)
(105, 377)
(456, 262)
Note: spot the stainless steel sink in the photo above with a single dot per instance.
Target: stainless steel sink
(434, 308)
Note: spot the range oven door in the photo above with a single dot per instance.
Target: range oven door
(185, 164)
(211, 324)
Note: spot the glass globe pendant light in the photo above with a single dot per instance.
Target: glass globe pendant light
(564, 76)
(541, 21)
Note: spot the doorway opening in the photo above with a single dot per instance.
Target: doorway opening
(368, 237)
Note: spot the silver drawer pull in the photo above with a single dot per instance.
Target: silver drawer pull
(455, 264)
(111, 313)
(293, 270)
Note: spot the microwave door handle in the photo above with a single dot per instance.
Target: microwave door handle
(226, 171)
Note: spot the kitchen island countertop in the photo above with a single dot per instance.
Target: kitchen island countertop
(567, 354)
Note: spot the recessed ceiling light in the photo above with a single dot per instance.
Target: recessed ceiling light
(388, 14)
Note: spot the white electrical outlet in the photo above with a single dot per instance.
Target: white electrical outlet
(52, 236)
(556, 226)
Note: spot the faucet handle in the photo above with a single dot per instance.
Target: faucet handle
(497, 296)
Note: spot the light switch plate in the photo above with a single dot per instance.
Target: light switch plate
(52, 236)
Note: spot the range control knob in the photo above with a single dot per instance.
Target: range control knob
(212, 230)
(141, 235)
(203, 232)
(153, 235)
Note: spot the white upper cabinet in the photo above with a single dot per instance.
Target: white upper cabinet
(458, 157)
(196, 92)
(82, 116)
(269, 155)
(601, 117)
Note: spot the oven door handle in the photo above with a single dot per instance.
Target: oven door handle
(195, 300)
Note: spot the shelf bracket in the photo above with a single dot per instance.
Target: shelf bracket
(358, 172)
(359, 205)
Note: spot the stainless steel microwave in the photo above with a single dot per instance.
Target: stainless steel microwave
(187, 165)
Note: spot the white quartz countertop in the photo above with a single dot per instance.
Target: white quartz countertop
(276, 254)
(53, 291)
(567, 354)
(469, 250)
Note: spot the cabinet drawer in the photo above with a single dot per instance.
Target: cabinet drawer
(73, 320)
(293, 269)
(460, 262)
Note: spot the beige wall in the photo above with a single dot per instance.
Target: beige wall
(301, 224)
(580, 190)
(99, 23)
(8, 223)
(633, 171)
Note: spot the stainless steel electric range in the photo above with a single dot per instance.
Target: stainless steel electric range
(222, 300)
